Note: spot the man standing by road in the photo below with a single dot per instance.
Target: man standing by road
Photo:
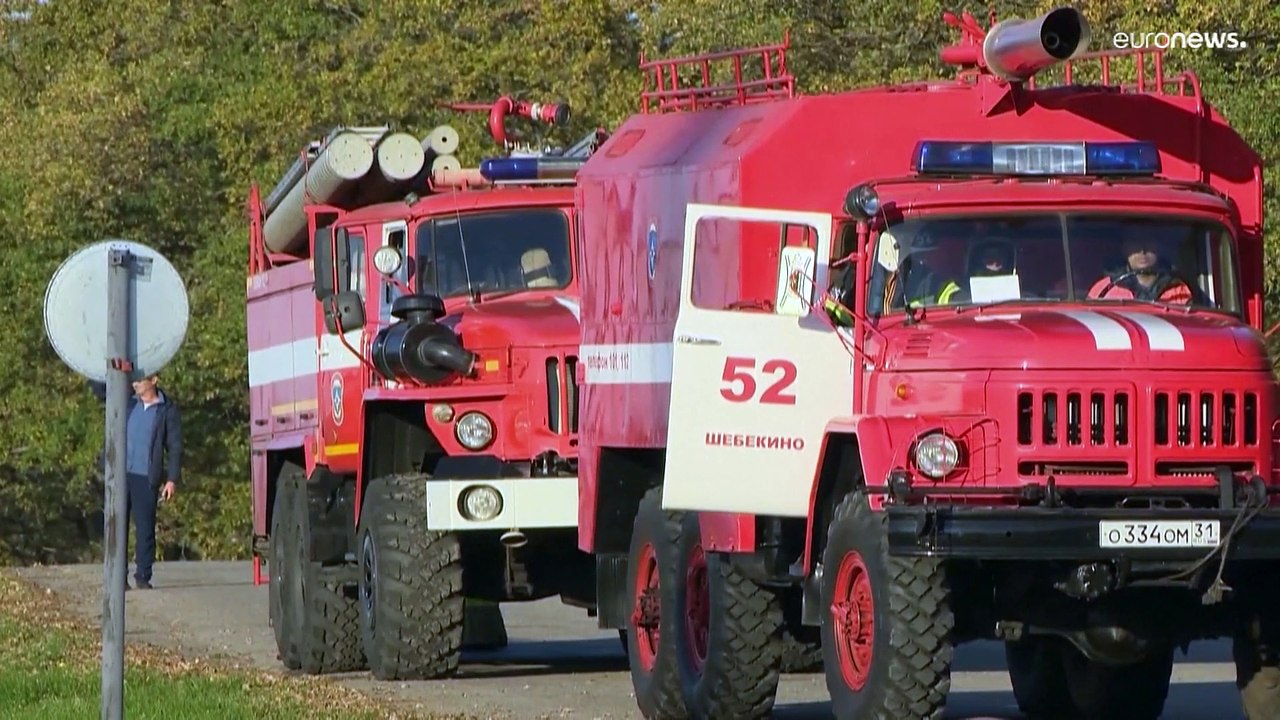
(154, 427)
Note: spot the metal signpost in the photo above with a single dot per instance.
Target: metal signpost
(115, 312)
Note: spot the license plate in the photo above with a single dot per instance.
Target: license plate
(1159, 533)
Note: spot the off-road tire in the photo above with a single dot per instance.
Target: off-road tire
(1129, 692)
(319, 631)
(801, 644)
(909, 673)
(284, 570)
(1037, 675)
(413, 628)
(655, 535)
(743, 624)
(332, 643)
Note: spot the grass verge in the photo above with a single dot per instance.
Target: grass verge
(50, 669)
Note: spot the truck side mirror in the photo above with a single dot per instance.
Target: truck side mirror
(797, 269)
(322, 260)
(347, 308)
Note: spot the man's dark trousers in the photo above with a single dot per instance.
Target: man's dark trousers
(142, 509)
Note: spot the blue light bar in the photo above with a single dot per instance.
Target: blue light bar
(1037, 158)
(529, 168)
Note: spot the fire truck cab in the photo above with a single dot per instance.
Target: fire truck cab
(916, 365)
(413, 365)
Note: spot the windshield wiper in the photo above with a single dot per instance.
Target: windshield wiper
(1167, 307)
(480, 296)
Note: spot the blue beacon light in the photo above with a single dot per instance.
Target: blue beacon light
(529, 168)
(1037, 158)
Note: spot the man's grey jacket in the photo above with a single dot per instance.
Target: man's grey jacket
(166, 434)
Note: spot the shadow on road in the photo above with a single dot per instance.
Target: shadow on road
(524, 658)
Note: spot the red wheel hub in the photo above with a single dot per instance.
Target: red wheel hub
(853, 620)
(697, 613)
(646, 613)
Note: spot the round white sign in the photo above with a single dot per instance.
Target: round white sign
(75, 310)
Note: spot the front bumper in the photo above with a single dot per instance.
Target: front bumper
(1070, 534)
(527, 502)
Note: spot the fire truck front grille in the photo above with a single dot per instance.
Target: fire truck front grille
(562, 394)
(1055, 419)
(1181, 419)
(1189, 419)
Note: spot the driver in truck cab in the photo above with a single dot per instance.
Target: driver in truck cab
(1144, 276)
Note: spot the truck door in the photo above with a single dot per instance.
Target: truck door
(757, 370)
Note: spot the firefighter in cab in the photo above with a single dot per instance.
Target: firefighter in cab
(1145, 276)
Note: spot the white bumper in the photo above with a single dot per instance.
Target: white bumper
(536, 502)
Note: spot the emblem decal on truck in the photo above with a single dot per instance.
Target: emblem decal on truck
(335, 397)
(652, 241)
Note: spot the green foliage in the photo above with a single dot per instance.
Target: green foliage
(151, 121)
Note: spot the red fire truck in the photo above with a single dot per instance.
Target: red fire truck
(413, 334)
(922, 364)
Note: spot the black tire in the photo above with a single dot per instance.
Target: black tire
(730, 642)
(332, 640)
(799, 654)
(317, 634)
(801, 644)
(1037, 675)
(284, 576)
(907, 675)
(1129, 692)
(411, 602)
(652, 560)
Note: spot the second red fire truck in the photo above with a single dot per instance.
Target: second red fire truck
(413, 334)
(915, 365)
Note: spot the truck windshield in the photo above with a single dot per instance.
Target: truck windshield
(1084, 257)
(493, 252)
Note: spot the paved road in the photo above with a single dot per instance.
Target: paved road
(558, 664)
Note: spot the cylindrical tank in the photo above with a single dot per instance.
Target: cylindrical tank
(444, 163)
(442, 140)
(1017, 49)
(400, 157)
(345, 159)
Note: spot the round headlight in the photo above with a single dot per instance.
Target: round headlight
(387, 260)
(480, 503)
(474, 430)
(936, 455)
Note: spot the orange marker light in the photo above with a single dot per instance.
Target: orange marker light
(901, 391)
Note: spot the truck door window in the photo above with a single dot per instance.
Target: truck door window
(353, 279)
(395, 235)
(753, 266)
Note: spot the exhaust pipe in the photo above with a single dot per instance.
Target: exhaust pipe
(1017, 49)
(513, 538)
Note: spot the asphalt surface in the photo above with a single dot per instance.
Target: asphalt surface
(558, 663)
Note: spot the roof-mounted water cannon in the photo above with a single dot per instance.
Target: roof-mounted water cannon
(556, 114)
(1017, 49)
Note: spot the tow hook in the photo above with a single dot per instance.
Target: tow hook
(1089, 581)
